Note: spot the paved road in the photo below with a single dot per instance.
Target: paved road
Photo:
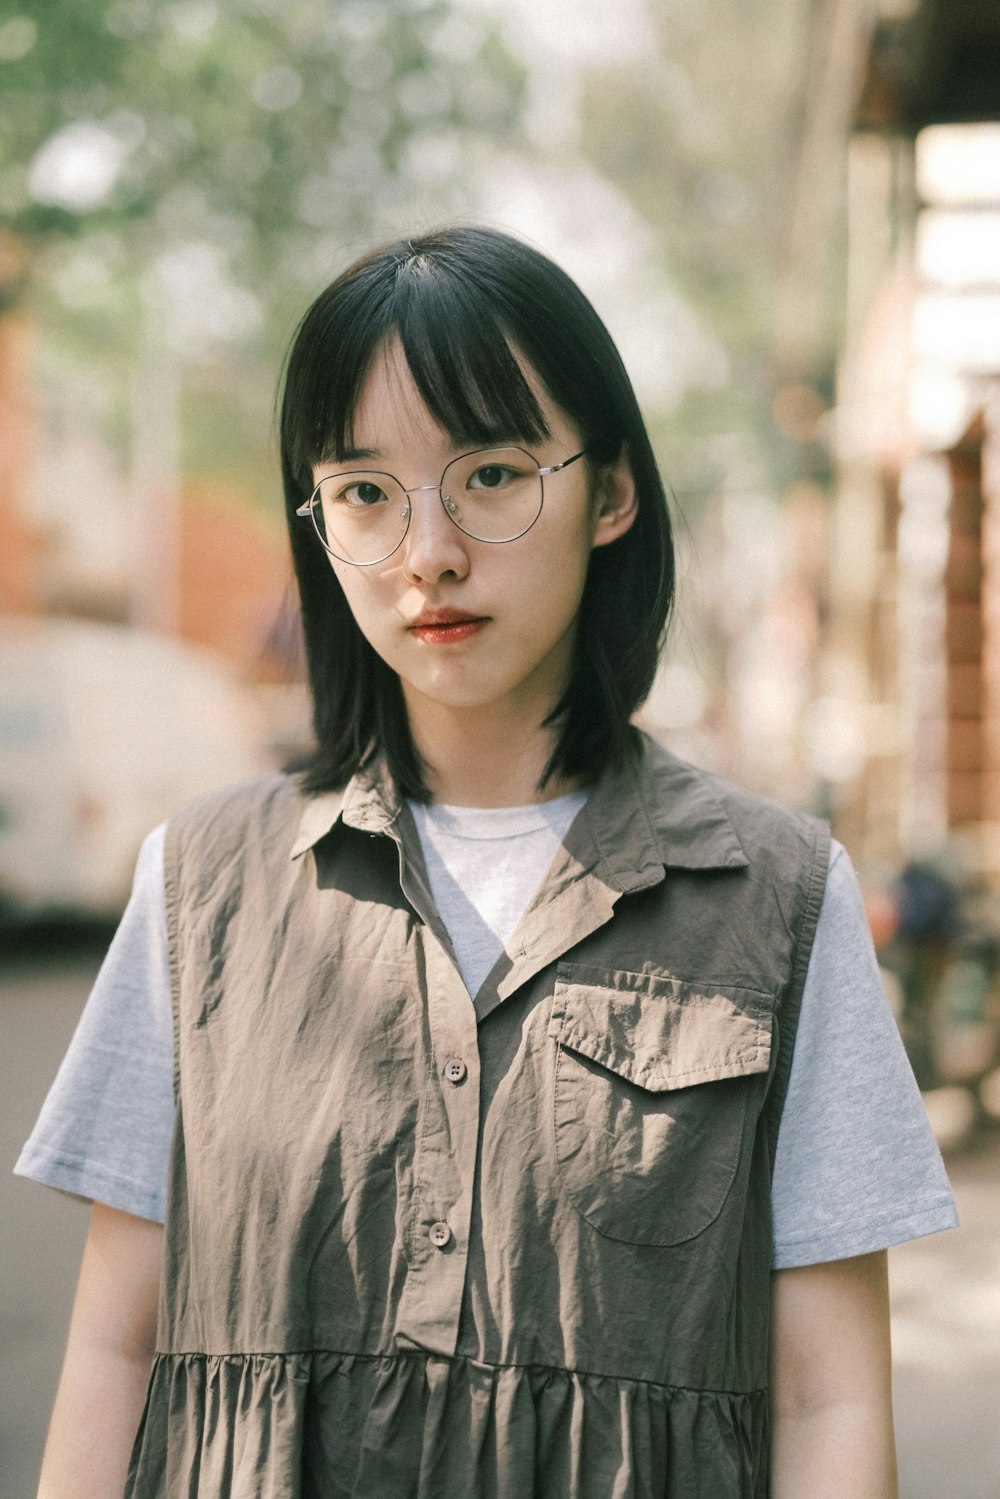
(41, 1232)
(946, 1342)
(946, 1297)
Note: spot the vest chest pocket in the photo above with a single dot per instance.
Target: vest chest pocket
(653, 1078)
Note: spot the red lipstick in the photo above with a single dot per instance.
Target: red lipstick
(446, 626)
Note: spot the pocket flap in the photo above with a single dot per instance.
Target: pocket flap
(658, 1031)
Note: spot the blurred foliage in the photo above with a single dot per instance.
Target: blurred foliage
(185, 174)
(178, 177)
(701, 139)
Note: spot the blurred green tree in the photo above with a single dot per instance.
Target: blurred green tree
(182, 175)
(702, 138)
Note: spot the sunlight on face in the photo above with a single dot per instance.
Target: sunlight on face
(469, 625)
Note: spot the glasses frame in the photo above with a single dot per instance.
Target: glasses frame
(308, 510)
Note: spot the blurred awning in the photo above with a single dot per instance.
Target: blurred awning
(931, 62)
(881, 67)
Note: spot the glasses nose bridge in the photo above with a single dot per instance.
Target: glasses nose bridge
(418, 488)
(447, 505)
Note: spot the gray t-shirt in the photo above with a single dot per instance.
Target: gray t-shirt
(857, 1168)
(484, 865)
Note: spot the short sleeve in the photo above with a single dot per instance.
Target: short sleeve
(105, 1128)
(857, 1168)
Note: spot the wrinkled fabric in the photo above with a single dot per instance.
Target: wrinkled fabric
(416, 1246)
(330, 1426)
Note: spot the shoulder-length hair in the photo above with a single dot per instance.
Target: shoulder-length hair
(464, 302)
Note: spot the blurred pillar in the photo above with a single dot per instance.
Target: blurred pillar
(870, 447)
(155, 482)
(964, 634)
(923, 545)
(991, 642)
(837, 33)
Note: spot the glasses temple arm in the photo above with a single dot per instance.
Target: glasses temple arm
(555, 467)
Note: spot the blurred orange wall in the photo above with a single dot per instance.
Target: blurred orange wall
(20, 544)
(235, 575)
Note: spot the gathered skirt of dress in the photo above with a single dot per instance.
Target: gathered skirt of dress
(323, 1425)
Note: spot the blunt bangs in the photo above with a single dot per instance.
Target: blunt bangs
(472, 309)
(457, 349)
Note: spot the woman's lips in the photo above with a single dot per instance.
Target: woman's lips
(447, 626)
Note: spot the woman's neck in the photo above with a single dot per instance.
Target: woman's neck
(482, 759)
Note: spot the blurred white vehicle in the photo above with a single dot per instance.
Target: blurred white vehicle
(103, 731)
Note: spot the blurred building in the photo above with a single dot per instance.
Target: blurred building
(149, 642)
(148, 648)
(85, 536)
(909, 90)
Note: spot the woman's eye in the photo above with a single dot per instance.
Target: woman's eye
(490, 476)
(363, 495)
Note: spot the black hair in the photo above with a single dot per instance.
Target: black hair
(462, 301)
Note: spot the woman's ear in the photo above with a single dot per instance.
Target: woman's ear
(616, 500)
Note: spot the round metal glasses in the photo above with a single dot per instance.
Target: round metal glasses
(493, 494)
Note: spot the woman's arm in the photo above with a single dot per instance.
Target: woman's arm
(831, 1384)
(108, 1356)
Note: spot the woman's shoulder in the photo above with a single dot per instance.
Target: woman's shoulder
(241, 799)
(687, 795)
(228, 823)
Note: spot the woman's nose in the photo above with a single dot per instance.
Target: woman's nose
(433, 546)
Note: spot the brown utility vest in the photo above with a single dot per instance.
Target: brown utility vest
(419, 1248)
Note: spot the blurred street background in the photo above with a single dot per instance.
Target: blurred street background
(788, 213)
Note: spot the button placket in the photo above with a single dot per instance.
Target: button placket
(431, 1305)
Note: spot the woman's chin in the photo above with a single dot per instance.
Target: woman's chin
(450, 696)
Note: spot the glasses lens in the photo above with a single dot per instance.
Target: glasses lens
(494, 494)
(360, 517)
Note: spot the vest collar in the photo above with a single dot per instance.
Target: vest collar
(693, 826)
(655, 813)
(660, 813)
(369, 802)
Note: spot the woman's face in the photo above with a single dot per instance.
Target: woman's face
(511, 644)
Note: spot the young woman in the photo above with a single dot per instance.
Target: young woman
(521, 1103)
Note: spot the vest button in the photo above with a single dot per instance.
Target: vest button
(456, 1071)
(439, 1235)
